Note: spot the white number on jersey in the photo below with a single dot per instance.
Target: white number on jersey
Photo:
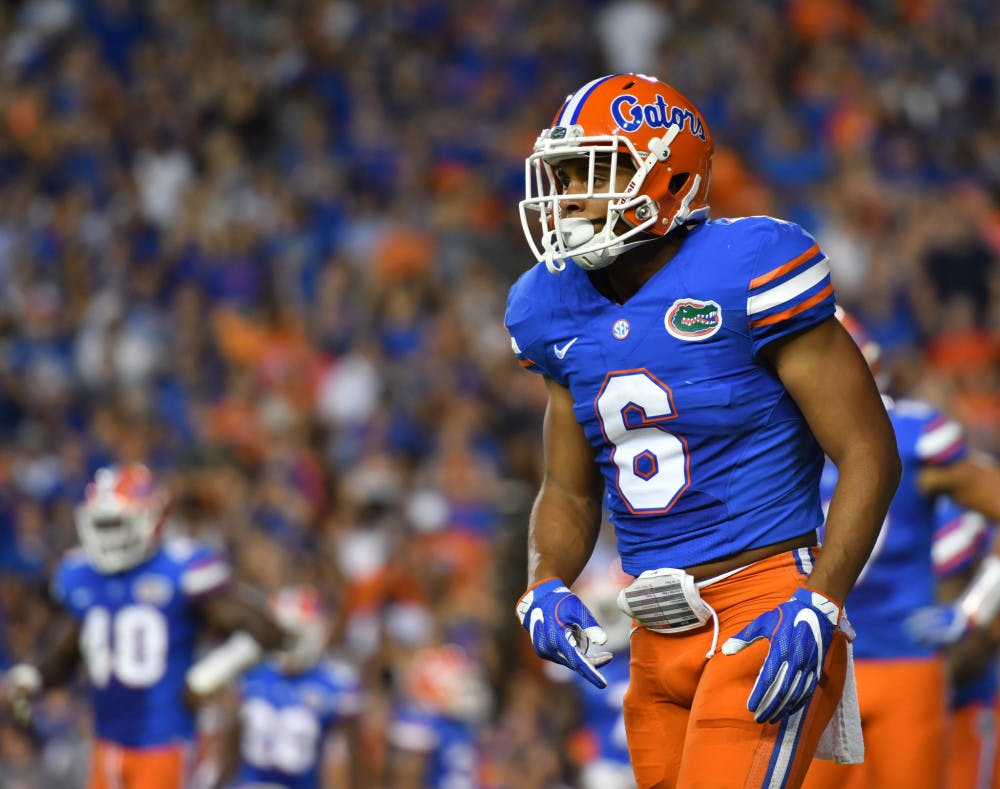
(129, 645)
(652, 463)
(284, 739)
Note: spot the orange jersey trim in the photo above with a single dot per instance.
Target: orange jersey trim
(810, 302)
(795, 262)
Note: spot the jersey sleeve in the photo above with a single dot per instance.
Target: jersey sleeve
(67, 577)
(525, 319)
(413, 731)
(790, 287)
(941, 441)
(960, 538)
(203, 573)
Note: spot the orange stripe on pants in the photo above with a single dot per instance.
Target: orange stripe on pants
(686, 717)
(115, 767)
(903, 714)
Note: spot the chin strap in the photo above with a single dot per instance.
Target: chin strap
(601, 258)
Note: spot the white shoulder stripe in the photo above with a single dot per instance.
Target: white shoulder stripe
(204, 578)
(938, 439)
(412, 736)
(787, 291)
(960, 539)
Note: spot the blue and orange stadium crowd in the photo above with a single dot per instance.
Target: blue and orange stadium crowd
(264, 249)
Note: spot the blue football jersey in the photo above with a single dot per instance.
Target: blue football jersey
(285, 718)
(899, 575)
(137, 637)
(449, 745)
(703, 452)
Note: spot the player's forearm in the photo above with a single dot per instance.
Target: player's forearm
(562, 534)
(58, 664)
(973, 483)
(865, 487)
(240, 609)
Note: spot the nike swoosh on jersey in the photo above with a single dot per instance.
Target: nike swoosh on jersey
(561, 352)
(809, 617)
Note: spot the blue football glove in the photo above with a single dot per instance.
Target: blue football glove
(937, 625)
(562, 629)
(800, 631)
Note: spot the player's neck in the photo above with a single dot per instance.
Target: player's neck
(622, 279)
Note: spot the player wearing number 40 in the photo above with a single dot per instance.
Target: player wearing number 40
(135, 606)
(696, 376)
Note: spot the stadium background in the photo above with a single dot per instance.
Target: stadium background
(265, 247)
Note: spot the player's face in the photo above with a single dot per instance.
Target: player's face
(573, 175)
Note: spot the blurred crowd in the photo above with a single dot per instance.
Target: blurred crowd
(265, 248)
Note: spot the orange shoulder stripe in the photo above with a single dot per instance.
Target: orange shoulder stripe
(773, 274)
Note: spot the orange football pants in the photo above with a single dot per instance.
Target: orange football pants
(903, 719)
(113, 766)
(686, 716)
(972, 747)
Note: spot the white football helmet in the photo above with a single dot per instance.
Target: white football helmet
(120, 518)
(299, 610)
(622, 119)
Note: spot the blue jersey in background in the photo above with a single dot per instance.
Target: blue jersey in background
(137, 638)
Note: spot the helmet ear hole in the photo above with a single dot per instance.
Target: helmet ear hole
(677, 182)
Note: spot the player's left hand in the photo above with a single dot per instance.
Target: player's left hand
(562, 629)
(800, 631)
(937, 625)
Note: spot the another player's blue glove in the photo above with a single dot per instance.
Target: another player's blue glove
(800, 631)
(562, 629)
(937, 625)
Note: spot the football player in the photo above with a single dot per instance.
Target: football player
(902, 679)
(433, 735)
(961, 540)
(696, 375)
(135, 604)
(292, 706)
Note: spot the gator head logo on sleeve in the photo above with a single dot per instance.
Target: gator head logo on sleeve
(692, 319)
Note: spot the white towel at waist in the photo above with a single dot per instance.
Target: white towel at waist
(842, 741)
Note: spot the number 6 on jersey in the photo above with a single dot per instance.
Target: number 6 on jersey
(652, 463)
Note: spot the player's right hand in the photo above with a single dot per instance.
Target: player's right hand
(562, 629)
(937, 625)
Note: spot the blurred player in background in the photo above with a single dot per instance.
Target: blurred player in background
(136, 603)
(433, 737)
(600, 743)
(961, 541)
(902, 684)
(293, 705)
(695, 377)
